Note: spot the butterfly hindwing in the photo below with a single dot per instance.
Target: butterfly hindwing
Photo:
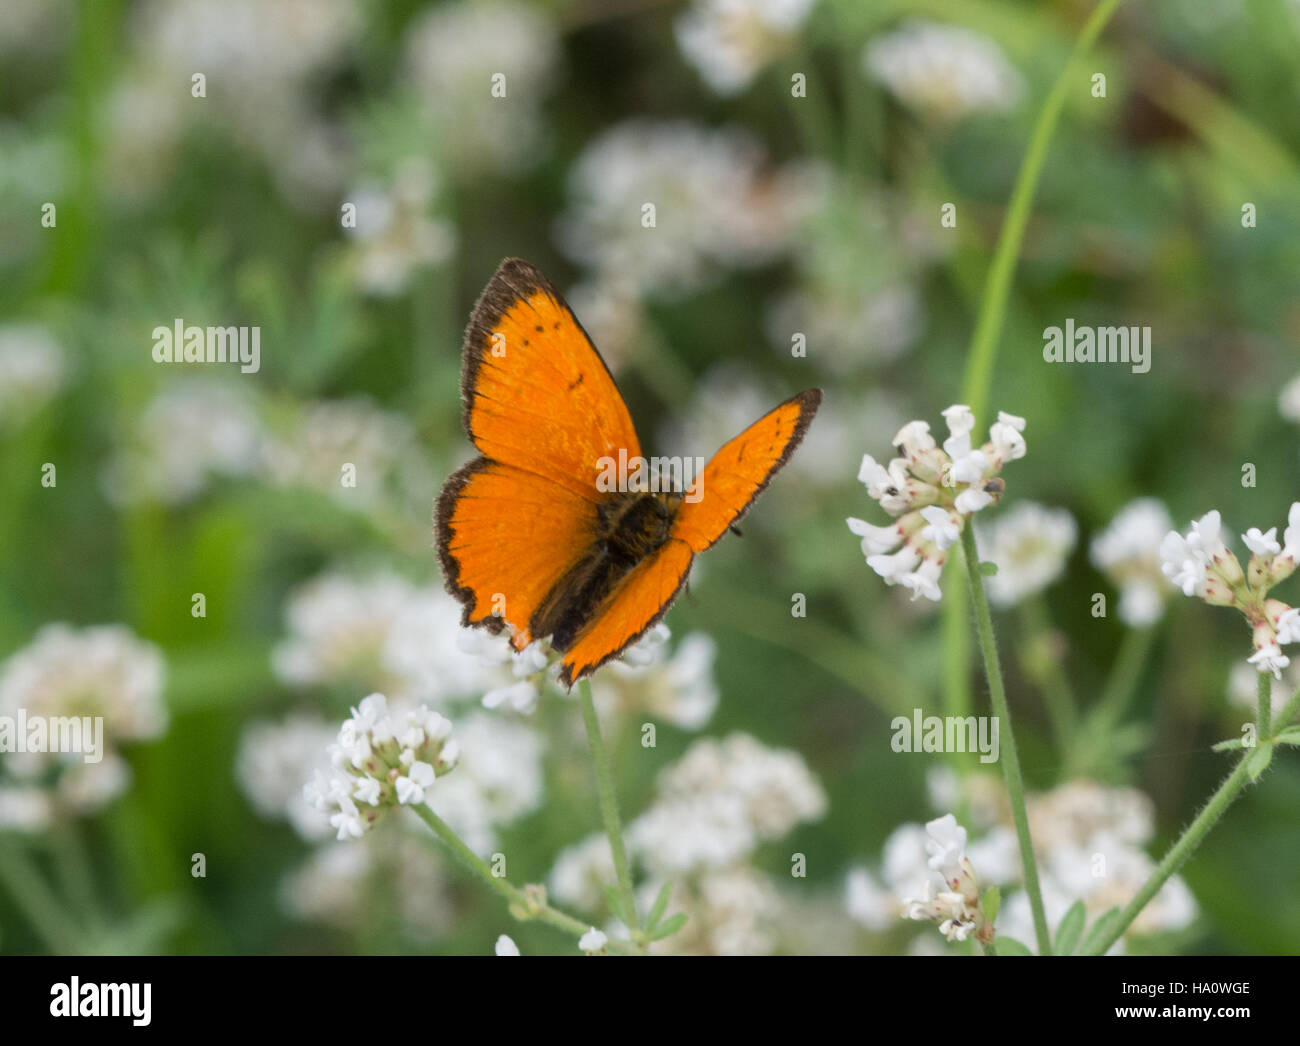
(737, 473)
(634, 607)
(506, 537)
(537, 394)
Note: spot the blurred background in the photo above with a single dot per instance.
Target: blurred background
(799, 155)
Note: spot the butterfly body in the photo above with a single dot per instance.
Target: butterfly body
(526, 536)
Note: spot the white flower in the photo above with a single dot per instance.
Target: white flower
(593, 941)
(333, 885)
(505, 946)
(383, 757)
(715, 205)
(189, 435)
(272, 762)
(394, 234)
(1288, 400)
(729, 41)
(1269, 658)
(720, 801)
(868, 902)
(102, 671)
(25, 809)
(946, 845)
(32, 368)
(498, 778)
(1030, 544)
(521, 697)
(679, 689)
(924, 581)
(326, 435)
(943, 71)
(879, 540)
(453, 51)
(941, 529)
(1288, 627)
(934, 490)
(1128, 551)
(582, 871)
(268, 58)
(1262, 544)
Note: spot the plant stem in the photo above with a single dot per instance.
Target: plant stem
(1121, 684)
(1178, 854)
(1046, 669)
(609, 809)
(1010, 758)
(1264, 691)
(984, 342)
(23, 880)
(1288, 711)
(522, 906)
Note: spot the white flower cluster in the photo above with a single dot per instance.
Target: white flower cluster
(99, 671)
(381, 761)
(730, 41)
(1030, 544)
(1089, 840)
(189, 434)
(1201, 565)
(32, 368)
(944, 72)
(479, 72)
(712, 809)
(956, 905)
(715, 205)
(934, 491)
(394, 235)
(1128, 551)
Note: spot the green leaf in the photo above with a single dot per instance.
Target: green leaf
(988, 568)
(1010, 946)
(1228, 746)
(1070, 929)
(660, 906)
(669, 927)
(991, 903)
(1258, 760)
(1100, 928)
(615, 903)
(1290, 736)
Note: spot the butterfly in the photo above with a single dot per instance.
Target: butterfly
(528, 535)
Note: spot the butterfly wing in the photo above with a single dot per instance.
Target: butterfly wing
(506, 536)
(737, 473)
(536, 393)
(629, 611)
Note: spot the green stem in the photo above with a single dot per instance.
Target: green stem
(1041, 664)
(1288, 711)
(44, 911)
(988, 327)
(1177, 855)
(1010, 759)
(522, 906)
(609, 809)
(74, 869)
(1264, 692)
(1121, 684)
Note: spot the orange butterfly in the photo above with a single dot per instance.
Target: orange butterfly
(527, 535)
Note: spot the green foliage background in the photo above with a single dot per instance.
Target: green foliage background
(1137, 220)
